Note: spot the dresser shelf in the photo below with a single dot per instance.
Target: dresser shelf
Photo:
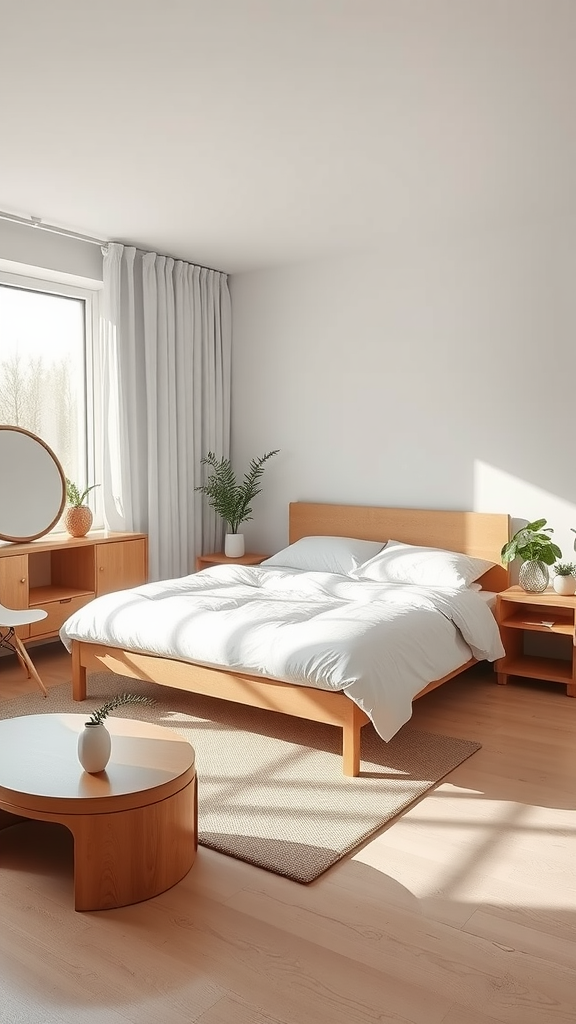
(61, 574)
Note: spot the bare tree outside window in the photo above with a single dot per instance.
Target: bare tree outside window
(20, 392)
(42, 371)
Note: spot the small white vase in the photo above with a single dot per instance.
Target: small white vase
(94, 747)
(234, 545)
(565, 585)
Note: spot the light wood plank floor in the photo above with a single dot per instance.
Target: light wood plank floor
(462, 912)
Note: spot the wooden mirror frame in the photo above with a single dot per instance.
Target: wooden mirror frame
(12, 486)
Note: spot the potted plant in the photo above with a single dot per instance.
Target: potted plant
(77, 516)
(535, 547)
(230, 499)
(564, 581)
(94, 743)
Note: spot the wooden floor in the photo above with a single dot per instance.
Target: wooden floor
(462, 912)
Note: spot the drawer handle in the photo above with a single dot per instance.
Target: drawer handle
(65, 600)
(23, 580)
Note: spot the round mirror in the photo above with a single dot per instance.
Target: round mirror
(33, 485)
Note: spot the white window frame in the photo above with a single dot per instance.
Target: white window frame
(89, 291)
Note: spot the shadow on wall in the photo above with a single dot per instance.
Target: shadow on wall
(496, 490)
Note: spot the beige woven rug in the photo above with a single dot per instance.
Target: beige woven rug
(271, 789)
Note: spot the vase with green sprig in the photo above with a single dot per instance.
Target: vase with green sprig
(77, 515)
(231, 499)
(536, 549)
(94, 742)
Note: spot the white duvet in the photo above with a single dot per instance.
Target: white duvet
(379, 643)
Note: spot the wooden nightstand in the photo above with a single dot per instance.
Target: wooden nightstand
(519, 612)
(219, 558)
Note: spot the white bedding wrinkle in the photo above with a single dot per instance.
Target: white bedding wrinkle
(379, 643)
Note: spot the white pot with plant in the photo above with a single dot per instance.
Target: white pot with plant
(77, 515)
(564, 581)
(94, 742)
(230, 499)
(534, 546)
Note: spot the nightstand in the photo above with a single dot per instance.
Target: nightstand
(518, 613)
(219, 558)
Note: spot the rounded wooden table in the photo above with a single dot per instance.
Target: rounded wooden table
(134, 824)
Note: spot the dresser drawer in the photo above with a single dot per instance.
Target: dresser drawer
(58, 612)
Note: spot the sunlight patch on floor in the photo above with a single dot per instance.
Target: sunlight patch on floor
(461, 846)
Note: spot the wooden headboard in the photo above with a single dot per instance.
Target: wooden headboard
(480, 534)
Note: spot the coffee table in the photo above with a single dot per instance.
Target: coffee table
(134, 824)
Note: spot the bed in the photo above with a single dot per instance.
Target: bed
(479, 535)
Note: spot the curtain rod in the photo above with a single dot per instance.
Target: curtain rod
(177, 259)
(37, 222)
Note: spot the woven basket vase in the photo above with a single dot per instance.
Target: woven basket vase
(534, 576)
(77, 520)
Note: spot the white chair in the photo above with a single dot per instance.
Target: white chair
(9, 620)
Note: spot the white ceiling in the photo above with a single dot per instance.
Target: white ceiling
(247, 133)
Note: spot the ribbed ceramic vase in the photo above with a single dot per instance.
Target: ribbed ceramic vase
(78, 520)
(94, 747)
(533, 576)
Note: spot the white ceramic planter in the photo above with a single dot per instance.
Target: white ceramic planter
(565, 585)
(94, 747)
(234, 545)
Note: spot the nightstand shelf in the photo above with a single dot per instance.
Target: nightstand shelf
(558, 623)
(556, 670)
(519, 613)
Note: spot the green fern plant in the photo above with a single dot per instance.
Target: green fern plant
(98, 716)
(74, 495)
(230, 499)
(565, 569)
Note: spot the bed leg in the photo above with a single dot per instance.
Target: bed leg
(78, 673)
(351, 733)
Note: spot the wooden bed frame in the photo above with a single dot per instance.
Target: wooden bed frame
(479, 534)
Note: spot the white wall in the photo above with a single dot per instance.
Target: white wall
(441, 376)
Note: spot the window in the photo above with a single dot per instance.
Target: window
(46, 379)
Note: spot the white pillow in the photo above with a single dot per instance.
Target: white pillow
(325, 554)
(424, 567)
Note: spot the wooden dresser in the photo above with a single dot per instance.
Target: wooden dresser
(61, 573)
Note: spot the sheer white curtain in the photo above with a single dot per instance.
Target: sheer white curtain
(164, 378)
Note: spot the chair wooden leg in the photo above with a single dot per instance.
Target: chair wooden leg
(26, 661)
(22, 662)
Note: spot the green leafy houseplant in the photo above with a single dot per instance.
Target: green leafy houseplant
(229, 499)
(97, 717)
(532, 544)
